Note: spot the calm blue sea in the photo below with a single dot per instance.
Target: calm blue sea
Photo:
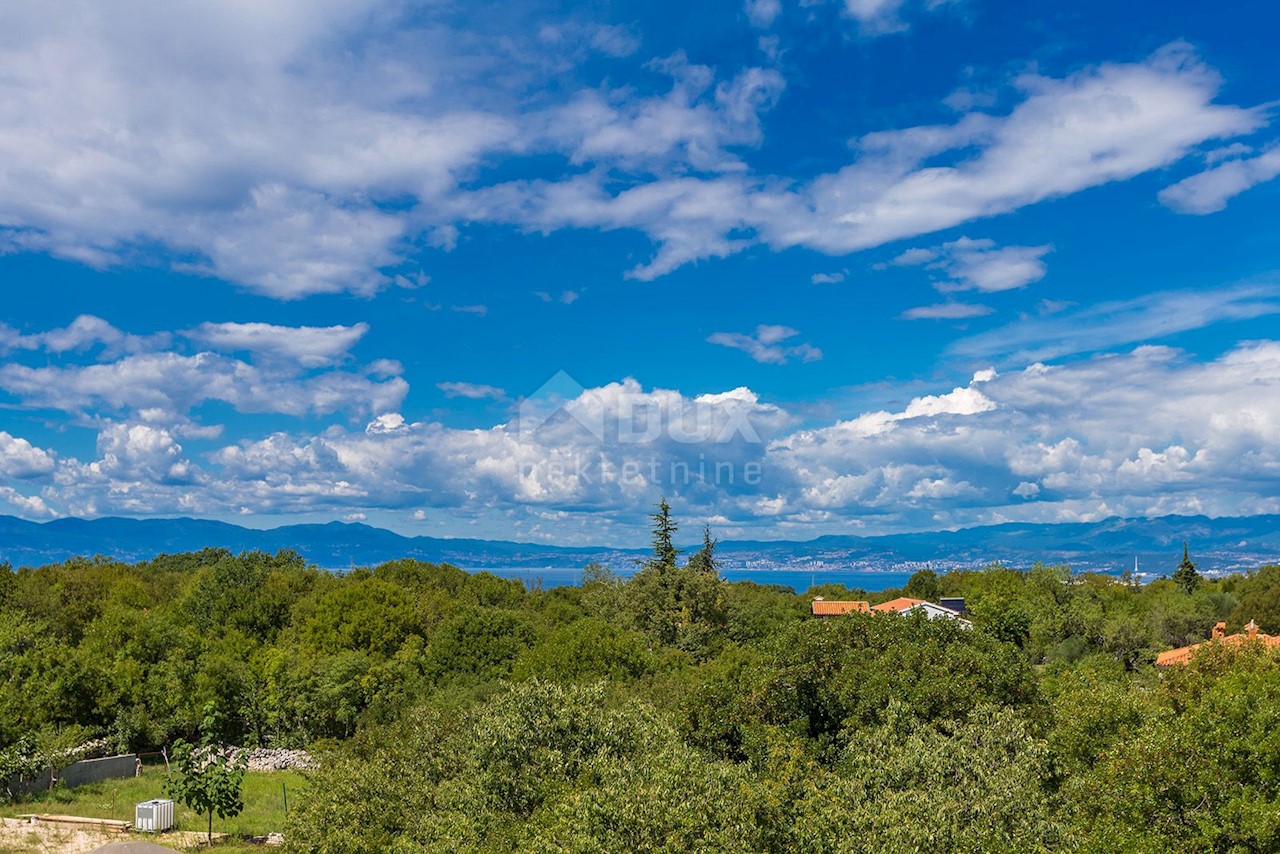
(798, 580)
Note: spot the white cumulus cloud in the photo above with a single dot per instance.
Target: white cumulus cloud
(1145, 432)
(290, 370)
(20, 459)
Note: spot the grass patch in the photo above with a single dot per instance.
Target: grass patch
(33, 843)
(263, 794)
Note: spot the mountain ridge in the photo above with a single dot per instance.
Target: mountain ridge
(1111, 544)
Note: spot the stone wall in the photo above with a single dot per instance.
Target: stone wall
(277, 759)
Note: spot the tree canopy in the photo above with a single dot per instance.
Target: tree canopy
(665, 709)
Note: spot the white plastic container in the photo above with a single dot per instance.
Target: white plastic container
(153, 816)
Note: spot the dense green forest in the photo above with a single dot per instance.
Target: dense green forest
(673, 711)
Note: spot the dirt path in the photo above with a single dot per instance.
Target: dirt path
(19, 837)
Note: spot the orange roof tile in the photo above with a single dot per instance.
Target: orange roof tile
(902, 603)
(824, 608)
(1183, 654)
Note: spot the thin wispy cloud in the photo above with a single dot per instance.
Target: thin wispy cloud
(313, 189)
(762, 13)
(1117, 323)
(947, 311)
(309, 346)
(980, 265)
(1209, 191)
(1099, 126)
(564, 297)
(870, 18)
(472, 391)
(769, 344)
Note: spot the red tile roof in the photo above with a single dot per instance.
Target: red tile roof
(898, 605)
(824, 608)
(1184, 654)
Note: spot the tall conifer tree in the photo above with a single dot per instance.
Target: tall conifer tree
(1185, 576)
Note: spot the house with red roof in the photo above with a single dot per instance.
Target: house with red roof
(832, 608)
(932, 610)
(901, 605)
(1184, 654)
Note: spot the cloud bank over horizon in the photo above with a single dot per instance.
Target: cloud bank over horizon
(1148, 431)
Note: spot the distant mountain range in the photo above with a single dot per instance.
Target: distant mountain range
(1110, 545)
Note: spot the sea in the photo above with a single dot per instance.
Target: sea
(872, 581)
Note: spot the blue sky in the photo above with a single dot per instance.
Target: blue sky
(803, 266)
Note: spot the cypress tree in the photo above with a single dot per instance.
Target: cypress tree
(1185, 576)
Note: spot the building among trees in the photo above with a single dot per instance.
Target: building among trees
(1251, 634)
(952, 610)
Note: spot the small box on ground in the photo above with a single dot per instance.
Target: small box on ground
(153, 816)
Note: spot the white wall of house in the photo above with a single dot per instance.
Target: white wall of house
(935, 612)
